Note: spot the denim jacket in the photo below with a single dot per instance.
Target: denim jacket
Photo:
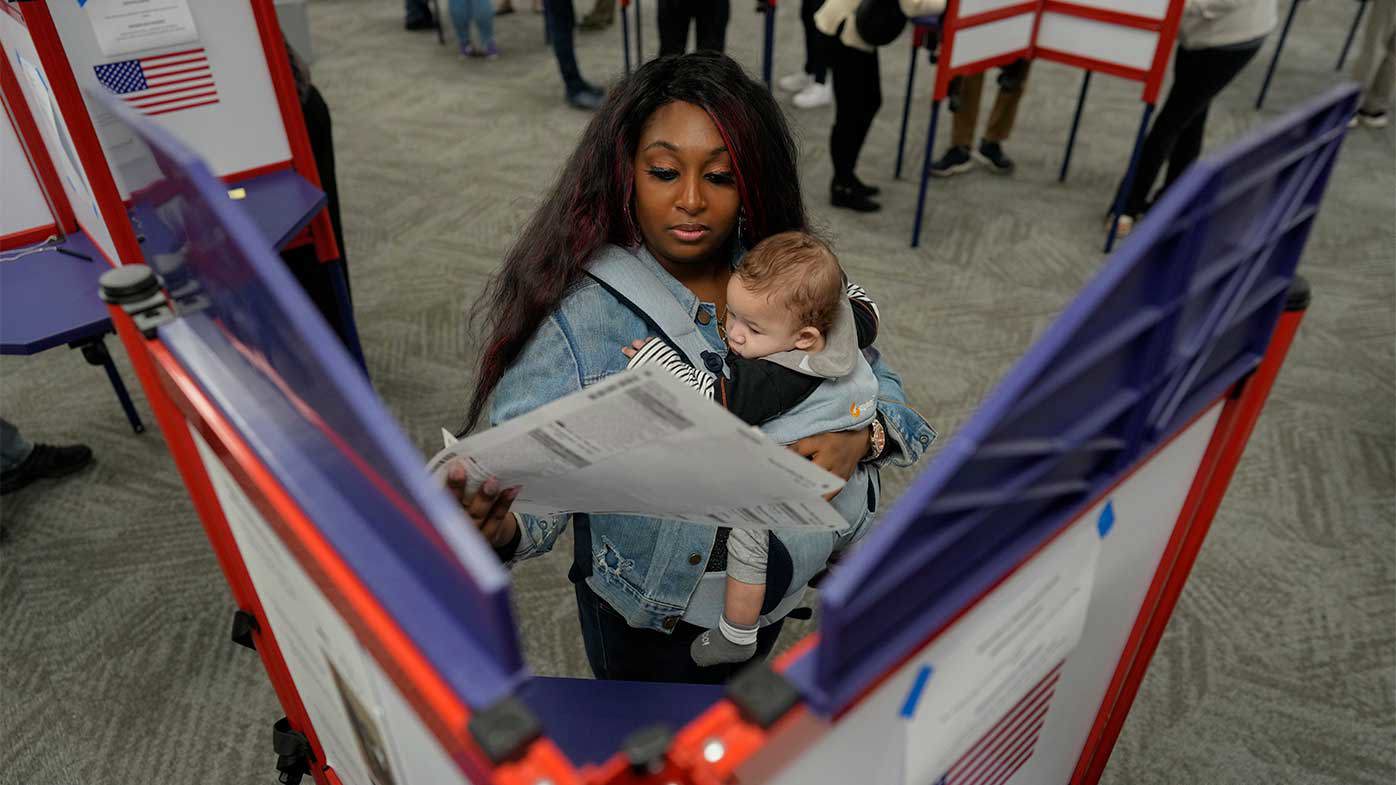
(648, 569)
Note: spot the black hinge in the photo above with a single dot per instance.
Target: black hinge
(293, 755)
(244, 624)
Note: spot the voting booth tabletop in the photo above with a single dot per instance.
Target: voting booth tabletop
(994, 628)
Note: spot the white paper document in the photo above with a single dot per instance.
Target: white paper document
(127, 26)
(642, 443)
(988, 661)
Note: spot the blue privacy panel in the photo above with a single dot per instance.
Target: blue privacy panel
(1180, 313)
(263, 354)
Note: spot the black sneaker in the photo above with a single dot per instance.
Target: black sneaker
(991, 155)
(847, 195)
(420, 23)
(45, 462)
(955, 161)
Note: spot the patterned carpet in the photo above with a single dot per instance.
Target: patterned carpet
(115, 665)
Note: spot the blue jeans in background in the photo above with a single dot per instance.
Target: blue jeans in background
(482, 11)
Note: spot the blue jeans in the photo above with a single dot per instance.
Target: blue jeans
(417, 11)
(482, 11)
(14, 449)
(560, 18)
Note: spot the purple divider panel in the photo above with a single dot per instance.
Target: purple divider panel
(1180, 313)
(261, 351)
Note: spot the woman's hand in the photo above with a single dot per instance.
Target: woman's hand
(837, 452)
(488, 506)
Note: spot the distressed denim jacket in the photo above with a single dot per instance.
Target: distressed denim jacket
(648, 569)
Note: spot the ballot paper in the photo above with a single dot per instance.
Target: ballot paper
(127, 26)
(643, 443)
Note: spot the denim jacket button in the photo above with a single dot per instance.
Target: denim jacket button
(694, 558)
(925, 440)
(713, 362)
(670, 622)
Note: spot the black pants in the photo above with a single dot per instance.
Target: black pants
(709, 18)
(560, 18)
(817, 44)
(616, 650)
(857, 97)
(1176, 136)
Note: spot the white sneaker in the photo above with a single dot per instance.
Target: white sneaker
(1371, 119)
(794, 83)
(815, 95)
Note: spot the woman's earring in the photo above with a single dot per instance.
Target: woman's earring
(742, 238)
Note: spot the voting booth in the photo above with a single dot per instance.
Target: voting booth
(1129, 39)
(994, 628)
(214, 73)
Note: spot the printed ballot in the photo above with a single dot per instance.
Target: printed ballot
(126, 26)
(642, 443)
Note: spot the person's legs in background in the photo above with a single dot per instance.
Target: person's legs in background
(1198, 76)
(710, 24)
(857, 97)
(957, 159)
(1375, 68)
(818, 92)
(672, 17)
(461, 12)
(816, 67)
(418, 15)
(22, 462)
(1013, 80)
(560, 19)
(484, 22)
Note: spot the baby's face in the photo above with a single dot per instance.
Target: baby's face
(756, 325)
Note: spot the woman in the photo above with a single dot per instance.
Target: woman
(687, 162)
(1216, 39)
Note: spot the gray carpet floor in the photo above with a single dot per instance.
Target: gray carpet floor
(115, 665)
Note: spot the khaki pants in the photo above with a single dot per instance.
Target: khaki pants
(1376, 63)
(1001, 117)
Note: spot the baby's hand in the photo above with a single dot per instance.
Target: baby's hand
(635, 346)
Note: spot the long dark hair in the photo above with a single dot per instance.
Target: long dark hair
(591, 203)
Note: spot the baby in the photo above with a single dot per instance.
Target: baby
(794, 329)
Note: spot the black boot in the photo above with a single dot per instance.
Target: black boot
(863, 188)
(846, 194)
(45, 462)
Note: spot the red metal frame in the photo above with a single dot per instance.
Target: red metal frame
(80, 129)
(17, 110)
(744, 740)
(1152, 79)
(1218, 465)
(303, 157)
(430, 696)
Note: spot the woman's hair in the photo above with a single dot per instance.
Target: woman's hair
(591, 204)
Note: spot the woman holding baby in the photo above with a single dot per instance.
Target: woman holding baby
(688, 164)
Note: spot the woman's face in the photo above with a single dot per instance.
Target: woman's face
(685, 188)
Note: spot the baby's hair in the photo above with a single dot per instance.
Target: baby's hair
(802, 270)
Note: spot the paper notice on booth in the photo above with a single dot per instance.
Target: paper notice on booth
(986, 684)
(126, 26)
(642, 443)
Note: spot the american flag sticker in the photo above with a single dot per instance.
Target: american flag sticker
(163, 83)
(1004, 748)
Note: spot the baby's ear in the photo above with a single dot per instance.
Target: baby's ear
(807, 338)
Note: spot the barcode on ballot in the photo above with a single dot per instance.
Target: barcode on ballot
(558, 448)
(659, 409)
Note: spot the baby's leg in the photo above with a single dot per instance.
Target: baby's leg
(735, 640)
